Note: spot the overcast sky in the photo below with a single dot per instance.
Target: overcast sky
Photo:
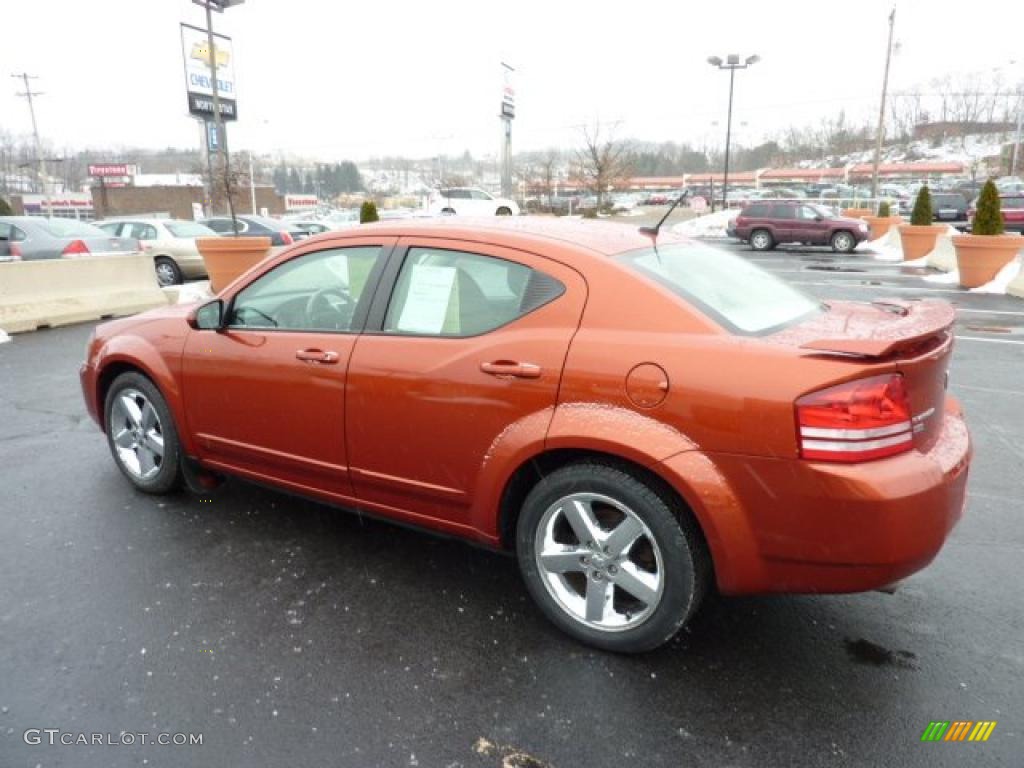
(336, 79)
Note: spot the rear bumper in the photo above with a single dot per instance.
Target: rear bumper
(783, 525)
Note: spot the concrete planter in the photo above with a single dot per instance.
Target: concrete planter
(918, 241)
(881, 224)
(228, 257)
(980, 257)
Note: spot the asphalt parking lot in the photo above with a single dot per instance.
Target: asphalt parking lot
(288, 633)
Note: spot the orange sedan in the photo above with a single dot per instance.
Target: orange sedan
(639, 418)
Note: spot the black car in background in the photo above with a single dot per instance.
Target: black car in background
(949, 208)
(279, 232)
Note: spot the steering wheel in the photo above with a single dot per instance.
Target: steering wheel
(332, 301)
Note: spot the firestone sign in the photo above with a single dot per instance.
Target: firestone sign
(199, 84)
(103, 170)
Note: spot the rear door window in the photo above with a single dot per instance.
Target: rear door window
(782, 212)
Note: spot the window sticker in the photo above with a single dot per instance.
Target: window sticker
(432, 303)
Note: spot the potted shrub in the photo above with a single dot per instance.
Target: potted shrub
(919, 236)
(228, 257)
(883, 222)
(368, 212)
(981, 254)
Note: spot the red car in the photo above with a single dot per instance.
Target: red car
(639, 420)
(767, 224)
(1012, 207)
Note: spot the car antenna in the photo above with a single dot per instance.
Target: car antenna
(653, 231)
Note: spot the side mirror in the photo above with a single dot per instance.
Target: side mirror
(209, 317)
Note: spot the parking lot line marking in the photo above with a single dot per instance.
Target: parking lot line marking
(840, 284)
(990, 341)
(990, 311)
(992, 390)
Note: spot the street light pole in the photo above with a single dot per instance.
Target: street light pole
(731, 63)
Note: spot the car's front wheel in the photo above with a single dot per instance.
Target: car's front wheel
(843, 242)
(608, 557)
(504, 211)
(141, 434)
(761, 240)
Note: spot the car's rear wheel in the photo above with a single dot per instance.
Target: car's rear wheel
(141, 434)
(504, 211)
(609, 559)
(843, 242)
(167, 272)
(761, 240)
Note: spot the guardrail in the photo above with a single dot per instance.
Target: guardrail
(51, 292)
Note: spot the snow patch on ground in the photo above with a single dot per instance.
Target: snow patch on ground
(946, 278)
(189, 293)
(713, 225)
(4, 338)
(1004, 278)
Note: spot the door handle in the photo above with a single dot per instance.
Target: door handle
(317, 356)
(511, 369)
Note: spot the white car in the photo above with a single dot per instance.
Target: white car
(171, 242)
(469, 201)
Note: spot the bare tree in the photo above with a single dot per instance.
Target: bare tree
(547, 172)
(602, 161)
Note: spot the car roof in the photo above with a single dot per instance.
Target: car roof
(526, 233)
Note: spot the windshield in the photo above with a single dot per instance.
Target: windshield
(729, 289)
(69, 228)
(189, 229)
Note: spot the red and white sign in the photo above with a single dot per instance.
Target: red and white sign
(109, 169)
(698, 204)
(300, 202)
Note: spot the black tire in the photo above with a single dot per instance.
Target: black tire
(167, 271)
(684, 572)
(762, 240)
(843, 242)
(503, 211)
(447, 211)
(138, 389)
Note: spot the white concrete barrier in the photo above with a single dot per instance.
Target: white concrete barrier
(1016, 286)
(943, 256)
(53, 292)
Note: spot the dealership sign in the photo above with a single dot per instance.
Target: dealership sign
(103, 170)
(300, 202)
(199, 84)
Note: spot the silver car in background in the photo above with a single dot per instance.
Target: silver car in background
(171, 243)
(32, 237)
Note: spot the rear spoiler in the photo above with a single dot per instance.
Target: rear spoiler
(916, 322)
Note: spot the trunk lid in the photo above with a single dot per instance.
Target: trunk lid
(914, 338)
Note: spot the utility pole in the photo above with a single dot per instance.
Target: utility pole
(222, 135)
(881, 109)
(508, 112)
(40, 161)
(1020, 118)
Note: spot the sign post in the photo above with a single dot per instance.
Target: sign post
(508, 112)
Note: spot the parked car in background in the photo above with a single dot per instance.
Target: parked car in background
(766, 225)
(171, 242)
(342, 219)
(1013, 212)
(33, 237)
(310, 227)
(469, 201)
(483, 382)
(279, 232)
(949, 208)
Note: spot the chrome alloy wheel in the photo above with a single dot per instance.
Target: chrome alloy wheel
(761, 240)
(137, 434)
(599, 562)
(166, 274)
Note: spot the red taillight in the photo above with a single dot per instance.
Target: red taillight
(15, 251)
(75, 248)
(286, 239)
(857, 421)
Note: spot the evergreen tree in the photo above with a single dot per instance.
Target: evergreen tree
(988, 220)
(921, 216)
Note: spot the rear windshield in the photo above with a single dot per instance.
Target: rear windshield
(69, 228)
(189, 229)
(732, 291)
(956, 200)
